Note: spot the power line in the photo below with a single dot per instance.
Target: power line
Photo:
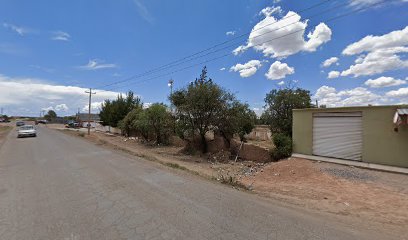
(168, 65)
(222, 56)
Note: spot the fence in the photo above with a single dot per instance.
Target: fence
(109, 129)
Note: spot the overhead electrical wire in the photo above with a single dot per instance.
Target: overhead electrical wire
(229, 53)
(213, 47)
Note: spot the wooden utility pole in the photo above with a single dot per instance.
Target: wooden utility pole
(89, 110)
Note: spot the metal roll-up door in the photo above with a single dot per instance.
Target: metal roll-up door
(338, 135)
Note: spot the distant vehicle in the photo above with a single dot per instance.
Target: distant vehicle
(4, 120)
(20, 123)
(27, 131)
(72, 125)
(42, 121)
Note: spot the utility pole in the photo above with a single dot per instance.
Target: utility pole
(170, 84)
(89, 109)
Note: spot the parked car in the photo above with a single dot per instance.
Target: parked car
(27, 131)
(42, 121)
(72, 125)
(20, 123)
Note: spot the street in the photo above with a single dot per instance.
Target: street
(57, 186)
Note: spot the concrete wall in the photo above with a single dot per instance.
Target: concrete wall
(381, 144)
(260, 133)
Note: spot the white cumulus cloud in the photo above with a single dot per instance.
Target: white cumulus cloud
(40, 94)
(279, 70)
(384, 82)
(269, 11)
(359, 96)
(400, 93)
(377, 62)
(62, 107)
(95, 107)
(282, 37)
(371, 43)
(248, 69)
(333, 74)
(330, 61)
(378, 54)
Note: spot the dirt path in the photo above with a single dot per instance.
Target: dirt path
(362, 194)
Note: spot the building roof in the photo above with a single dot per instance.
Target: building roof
(402, 111)
(355, 108)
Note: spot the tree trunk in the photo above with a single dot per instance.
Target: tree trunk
(204, 145)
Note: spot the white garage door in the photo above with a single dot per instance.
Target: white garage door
(338, 135)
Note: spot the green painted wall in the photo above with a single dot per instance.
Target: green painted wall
(381, 144)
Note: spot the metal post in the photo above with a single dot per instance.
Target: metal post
(89, 110)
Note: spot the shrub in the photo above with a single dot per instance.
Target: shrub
(283, 146)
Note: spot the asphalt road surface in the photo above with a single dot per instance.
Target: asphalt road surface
(61, 187)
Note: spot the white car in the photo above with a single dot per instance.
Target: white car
(27, 131)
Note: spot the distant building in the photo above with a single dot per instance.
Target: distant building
(83, 118)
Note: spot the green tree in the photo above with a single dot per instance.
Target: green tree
(279, 106)
(141, 125)
(50, 116)
(5, 117)
(236, 118)
(160, 122)
(128, 123)
(113, 111)
(199, 106)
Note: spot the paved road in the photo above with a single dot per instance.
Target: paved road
(63, 188)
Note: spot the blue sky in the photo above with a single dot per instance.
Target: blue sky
(51, 50)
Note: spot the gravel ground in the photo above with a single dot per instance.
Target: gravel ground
(349, 173)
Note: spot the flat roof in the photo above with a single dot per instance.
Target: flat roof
(351, 108)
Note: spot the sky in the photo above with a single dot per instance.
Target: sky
(345, 52)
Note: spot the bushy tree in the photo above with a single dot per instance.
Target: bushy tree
(153, 123)
(127, 125)
(283, 146)
(113, 111)
(50, 116)
(160, 122)
(199, 106)
(5, 117)
(279, 106)
(237, 118)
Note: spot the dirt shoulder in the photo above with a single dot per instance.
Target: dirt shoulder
(365, 195)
